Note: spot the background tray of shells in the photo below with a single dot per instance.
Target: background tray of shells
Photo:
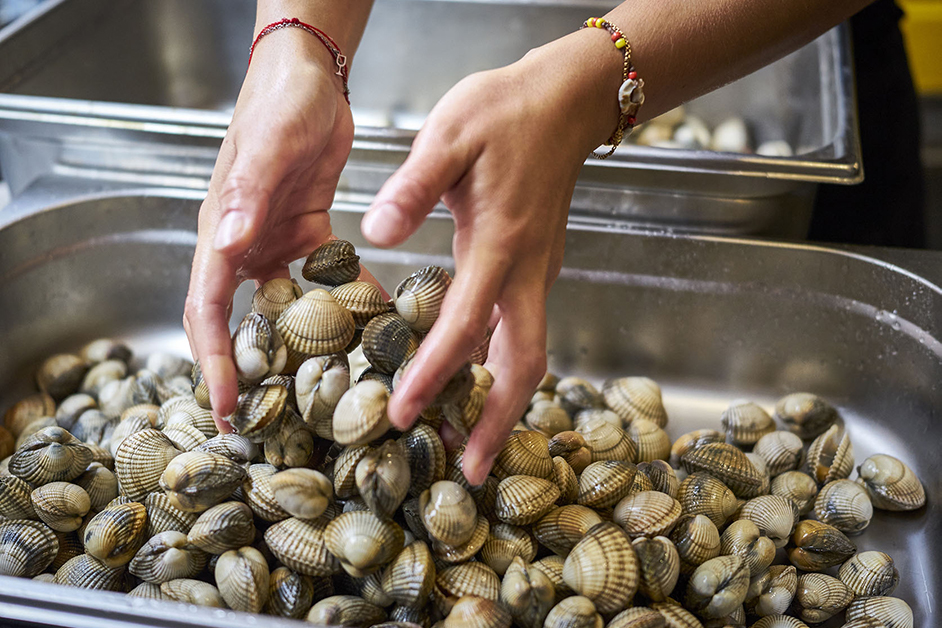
(615, 311)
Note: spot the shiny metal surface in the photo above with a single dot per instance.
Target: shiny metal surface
(142, 90)
(711, 319)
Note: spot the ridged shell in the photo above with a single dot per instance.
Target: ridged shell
(798, 487)
(103, 349)
(27, 410)
(102, 374)
(745, 423)
(345, 610)
(362, 542)
(830, 456)
(805, 414)
(744, 539)
(115, 534)
(891, 484)
(60, 505)
(658, 566)
(163, 515)
(662, 475)
(575, 394)
(425, 453)
(892, 611)
(166, 557)
(258, 412)
(87, 572)
(729, 465)
(604, 568)
(524, 453)
(35, 426)
(607, 442)
(50, 455)
(419, 297)
(635, 398)
(527, 593)
(819, 546)
(651, 442)
(522, 499)
(464, 415)
(196, 480)
(566, 481)
(455, 582)
(504, 544)
(333, 263)
(571, 446)
(27, 548)
(304, 493)
(184, 437)
(821, 597)
(702, 494)
(844, 505)
(71, 408)
(693, 440)
(605, 483)
(383, 478)
(257, 349)
(140, 461)
(234, 447)
(300, 546)
(717, 587)
(60, 375)
(448, 512)
(388, 341)
(548, 418)
(274, 296)
(638, 617)
(222, 528)
(15, 502)
(574, 612)
(777, 593)
(676, 615)
(290, 594)
(259, 496)
(697, 540)
(192, 592)
(648, 513)
(319, 385)
(360, 416)
(243, 579)
(410, 577)
(779, 621)
(452, 554)
(782, 451)
(774, 515)
(293, 443)
(70, 546)
(870, 574)
(146, 590)
(316, 324)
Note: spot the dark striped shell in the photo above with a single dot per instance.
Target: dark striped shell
(331, 264)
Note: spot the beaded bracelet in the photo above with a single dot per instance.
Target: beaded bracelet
(339, 58)
(631, 92)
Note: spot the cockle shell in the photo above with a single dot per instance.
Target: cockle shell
(362, 542)
(360, 416)
(607, 442)
(26, 548)
(410, 577)
(658, 566)
(140, 461)
(844, 505)
(701, 493)
(383, 477)
(574, 612)
(234, 447)
(333, 263)
(184, 437)
(463, 415)
(524, 453)
(566, 481)
(605, 483)
(60, 375)
(290, 594)
(548, 418)
(388, 341)
(805, 414)
(259, 411)
(192, 592)
(830, 456)
(775, 517)
(425, 454)
(448, 512)
(167, 556)
(571, 446)
(729, 465)
(316, 324)
(345, 485)
(243, 579)
(869, 574)
(259, 496)
(222, 528)
(693, 440)
(718, 587)
(345, 610)
(697, 540)
(274, 296)
(363, 299)
(196, 480)
(777, 593)
(651, 442)
(71, 408)
(293, 443)
(798, 487)
(114, 535)
(522, 499)
(163, 515)
(819, 546)
(103, 349)
(635, 398)
(662, 475)
(744, 539)
(60, 505)
(455, 582)
(27, 410)
(301, 546)
(892, 611)
(604, 568)
(319, 385)
(891, 484)
(561, 529)
(419, 297)
(505, 543)
(575, 394)
(146, 590)
(648, 513)
(782, 451)
(85, 571)
(35, 426)
(821, 597)
(15, 502)
(50, 455)
(527, 593)
(745, 423)
(257, 349)
(304, 493)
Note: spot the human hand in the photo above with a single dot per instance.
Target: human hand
(503, 150)
(272, 185)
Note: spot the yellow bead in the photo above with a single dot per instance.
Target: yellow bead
(621, 43)
(600, 23)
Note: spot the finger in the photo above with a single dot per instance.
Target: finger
(460, 328)
(451, 437)
(518, 360)
(411, 192)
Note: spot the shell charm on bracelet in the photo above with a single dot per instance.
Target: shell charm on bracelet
(631, 96)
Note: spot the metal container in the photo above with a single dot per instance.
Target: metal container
(711, 319)
(142, 90)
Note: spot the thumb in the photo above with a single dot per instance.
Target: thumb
(246, 194)
(410, 193)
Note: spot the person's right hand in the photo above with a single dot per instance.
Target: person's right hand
(272, 185)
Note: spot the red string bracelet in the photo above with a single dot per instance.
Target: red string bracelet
(339, 58)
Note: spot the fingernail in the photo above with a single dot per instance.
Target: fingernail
(383, 224)
(230, 230)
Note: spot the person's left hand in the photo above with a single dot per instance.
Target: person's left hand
(503, 150)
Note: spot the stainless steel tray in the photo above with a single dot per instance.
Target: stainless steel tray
(142, 90)
(711, 319)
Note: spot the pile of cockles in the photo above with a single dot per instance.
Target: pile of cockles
(114, 477)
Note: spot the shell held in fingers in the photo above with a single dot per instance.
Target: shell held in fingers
(316, 324)
(419, 297)
(464, 414)
(257, 349)
(274, 296)
(388, 342)
(333, 263)
(259, 411)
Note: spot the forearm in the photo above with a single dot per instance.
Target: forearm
(343, 20)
